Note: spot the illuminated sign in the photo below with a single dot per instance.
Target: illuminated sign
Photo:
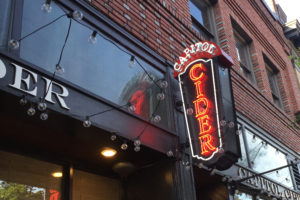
(26, 81)
(198, 70)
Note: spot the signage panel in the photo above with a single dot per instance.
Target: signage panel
(204, 82)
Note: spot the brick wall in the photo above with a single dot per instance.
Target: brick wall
(165, 26)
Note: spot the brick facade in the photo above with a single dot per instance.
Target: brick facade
(165, 26)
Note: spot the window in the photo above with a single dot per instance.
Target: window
(272, 74)
(92, 186)
(241, 195)
(5, 20)
(262, 156)
(242, 44)
(93, 67)
(26, 178)
(297, 71)
(201, 16)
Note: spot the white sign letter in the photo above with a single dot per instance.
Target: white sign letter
(19, 80)
(59, 97)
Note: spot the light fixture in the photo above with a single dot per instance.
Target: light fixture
(13, 44)
(93, 38)
(224, 178)
(42, 106)
(87, 123)
(160, 96)
(124, 146)
(200, 165)
(189, 111)
(77, 15)
(57, 174)
(253, 139)
(231, 124)
(108, 152)
(265, 145)
(59, 69)
(163, 84)
(131, 108)
(170, 153)
(31, 111)
(137, 148)
(186, 165)
(46, 7)
(277, 152)
(131, 63)
(221, 150)
(137, 142)
(44, 116)
(277, 173)
(287, 180)
(23, 101)
(113, 137)
(213, 171)
(156, 118)
(223, 123)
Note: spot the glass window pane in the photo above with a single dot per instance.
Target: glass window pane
(243, 160)
(264, 157)
(26, 178)
(200, 12)
(196, 12)
(5, 20)
(102, 68)
(95, 187)
(238, 195)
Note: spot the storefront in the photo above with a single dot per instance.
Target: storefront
(65, 99)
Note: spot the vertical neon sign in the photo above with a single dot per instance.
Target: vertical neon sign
(199, 93)
(197, 77)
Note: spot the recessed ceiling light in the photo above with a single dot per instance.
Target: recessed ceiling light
(108, 152)
(57, 174)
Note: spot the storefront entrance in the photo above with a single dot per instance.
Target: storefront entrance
(60, 159)
(209, 187)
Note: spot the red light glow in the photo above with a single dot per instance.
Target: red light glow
(202, 110)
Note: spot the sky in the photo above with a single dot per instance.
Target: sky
(291, 8)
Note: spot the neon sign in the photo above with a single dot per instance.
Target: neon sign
(199, 85)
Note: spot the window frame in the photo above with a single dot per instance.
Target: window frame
(266, 137)
(209, 33)
(243, 40)
(110, 29)
(272, 75)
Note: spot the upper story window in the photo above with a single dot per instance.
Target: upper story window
(242, 46)
(297, 71)
(101, 68)
(261, 156)
(201, 16)
(272, 74)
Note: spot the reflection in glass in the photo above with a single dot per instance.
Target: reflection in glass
(243, 159)
(5, 20)
(265, 157)
(238, 195)
(101, 68)
(26, 178)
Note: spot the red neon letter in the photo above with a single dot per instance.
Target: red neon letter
(196, 72)
(206, 145)
(201, 106)
(204, 124)
(199, 88)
